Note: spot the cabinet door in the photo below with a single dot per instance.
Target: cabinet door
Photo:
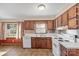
(26, 25)
(38, 42)
(33, 42)
(31, 25)
(64, 19)
(49, 43)
(72, 12)
(50, 24)
(54, 24)
(72, 52)
(72, 24)
(44, 43)
(59, 21)
(78, 14)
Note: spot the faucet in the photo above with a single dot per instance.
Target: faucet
(76, 38)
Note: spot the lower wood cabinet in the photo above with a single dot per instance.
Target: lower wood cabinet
(41, 42)
(69, 51)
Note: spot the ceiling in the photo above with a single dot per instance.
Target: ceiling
(30, 10)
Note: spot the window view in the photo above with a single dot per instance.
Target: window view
(40, 28)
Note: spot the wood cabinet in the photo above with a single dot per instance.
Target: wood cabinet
(72, 12)
(77, 14)
(70, 18)
(72, 23)
(49, 43)
(28, 25)
(64, 19)
(68, 52)
(54, 24)
(50, 24)
(59, 21)
(41, 42)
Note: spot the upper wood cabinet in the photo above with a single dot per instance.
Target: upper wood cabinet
(72, 24)
(28, 25)
(72, 12)
(59, 21)
(78, 14)
(64, 19)
(50, 24)
(54, 24)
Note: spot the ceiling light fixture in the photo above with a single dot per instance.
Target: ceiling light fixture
(41, 7)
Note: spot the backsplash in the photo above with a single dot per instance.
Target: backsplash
(33, 31)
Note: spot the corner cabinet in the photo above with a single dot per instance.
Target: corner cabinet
(59, 21)
(50, 24)
(41, 42)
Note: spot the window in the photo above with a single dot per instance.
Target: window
(40, 28)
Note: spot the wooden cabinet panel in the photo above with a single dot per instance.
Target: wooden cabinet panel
(59, 21)
(78, 14)
(49, 43)
(68, 52)
(54, 24)
(64, 19)
(28, 25)
(33, 42)
(31, 24)
(72, 24)
(44, 43)
(41, 42)
(72, 12)
(50, 24)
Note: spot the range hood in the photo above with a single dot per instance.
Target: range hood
(62, 28)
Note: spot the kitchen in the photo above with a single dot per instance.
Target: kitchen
(58, 33)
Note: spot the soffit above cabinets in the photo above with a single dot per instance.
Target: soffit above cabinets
(30, 10)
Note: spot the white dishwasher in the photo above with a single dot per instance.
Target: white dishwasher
(27, 42)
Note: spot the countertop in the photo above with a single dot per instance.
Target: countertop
(70, 45)
(39, 35)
